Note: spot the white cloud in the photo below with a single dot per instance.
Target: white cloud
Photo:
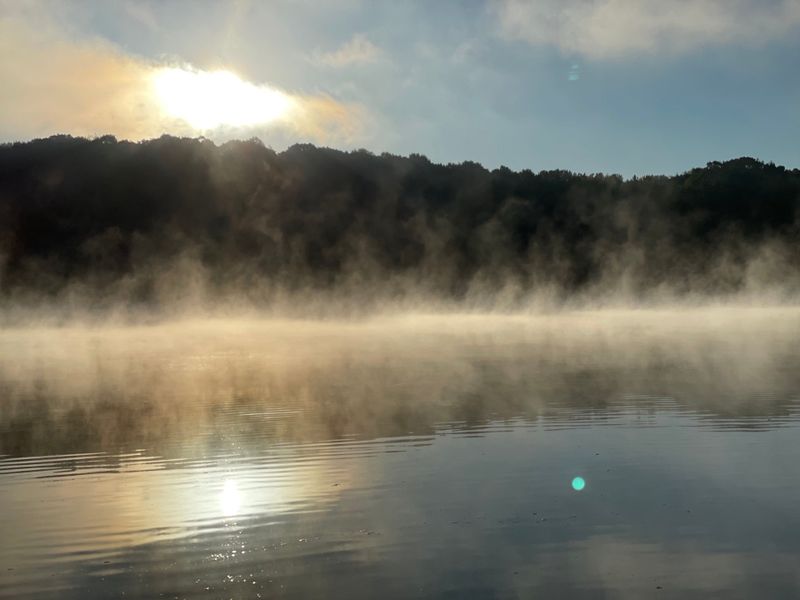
(59, 84)
(357, 50)
(607, 29)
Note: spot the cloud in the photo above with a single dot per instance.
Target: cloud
(358, 50)
(326, 120)
(608, 29)
(57, 83)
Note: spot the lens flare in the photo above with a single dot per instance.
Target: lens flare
(578, 483)
(210, 99)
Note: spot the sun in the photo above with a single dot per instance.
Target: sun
(207, 100)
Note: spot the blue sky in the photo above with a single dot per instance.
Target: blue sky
(625, 86)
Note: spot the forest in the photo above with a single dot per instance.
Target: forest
(171, 221)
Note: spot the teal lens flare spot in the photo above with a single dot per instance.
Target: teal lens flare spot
(578, 484)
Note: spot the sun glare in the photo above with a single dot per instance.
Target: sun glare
(207, 100)
(230, 499)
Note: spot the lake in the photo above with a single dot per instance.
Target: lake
(589, 454)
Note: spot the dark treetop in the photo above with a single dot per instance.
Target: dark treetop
(119, 221)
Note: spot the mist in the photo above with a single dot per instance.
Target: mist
(225, 368)
(71, 390)
(350, 300)
(172, 227)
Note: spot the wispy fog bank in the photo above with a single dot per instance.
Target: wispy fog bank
(77, 389)
(181, 226)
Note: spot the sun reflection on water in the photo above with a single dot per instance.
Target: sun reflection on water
(230, 499)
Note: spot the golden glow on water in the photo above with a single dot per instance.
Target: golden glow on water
(210, 99)
(170, 448)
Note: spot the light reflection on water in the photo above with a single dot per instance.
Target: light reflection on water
(405, 457)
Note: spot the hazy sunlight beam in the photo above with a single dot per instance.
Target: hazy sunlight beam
(210, 99)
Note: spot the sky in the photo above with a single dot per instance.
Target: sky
(619, 86)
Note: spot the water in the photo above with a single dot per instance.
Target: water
(405, 457)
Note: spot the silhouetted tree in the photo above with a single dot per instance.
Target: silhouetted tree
(112, 219)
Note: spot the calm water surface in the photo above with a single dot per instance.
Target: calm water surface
(405, 457)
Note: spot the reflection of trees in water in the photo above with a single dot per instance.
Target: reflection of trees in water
(258, 390)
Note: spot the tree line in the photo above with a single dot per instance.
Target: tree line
(149, 223)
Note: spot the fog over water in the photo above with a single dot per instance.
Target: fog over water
(237, 364)
(231, 372)
(412, 455)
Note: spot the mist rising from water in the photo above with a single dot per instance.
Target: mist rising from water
(76, 389)
(175, 228)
